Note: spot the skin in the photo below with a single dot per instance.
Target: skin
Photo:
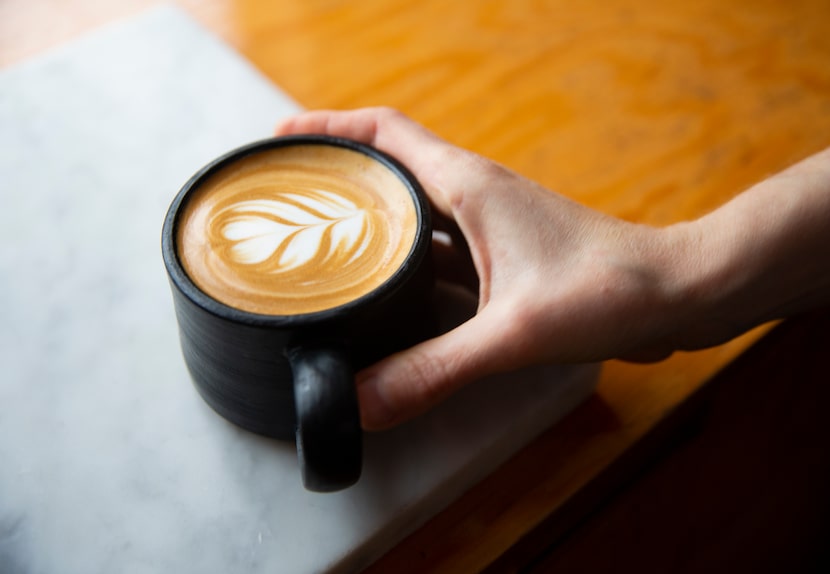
(560, 282)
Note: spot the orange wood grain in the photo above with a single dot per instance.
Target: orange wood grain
(652, 111)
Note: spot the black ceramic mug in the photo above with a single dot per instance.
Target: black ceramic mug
(294, 262)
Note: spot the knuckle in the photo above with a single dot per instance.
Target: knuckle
(475, 177)
(387, 114)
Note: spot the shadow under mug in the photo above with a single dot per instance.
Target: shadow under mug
(292, 376)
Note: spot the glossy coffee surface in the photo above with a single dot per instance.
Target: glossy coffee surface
(296, 229)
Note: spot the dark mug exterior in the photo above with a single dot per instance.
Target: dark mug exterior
(291, 377)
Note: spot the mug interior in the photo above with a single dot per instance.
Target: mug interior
(411, 263)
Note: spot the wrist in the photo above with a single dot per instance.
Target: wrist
(724, 278)
(761, 256)
(702, 281)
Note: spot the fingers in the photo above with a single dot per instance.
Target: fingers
(439, 166)
(360, 125)
(411, 382)
(383, 128)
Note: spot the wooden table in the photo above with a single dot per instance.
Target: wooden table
(651, 111)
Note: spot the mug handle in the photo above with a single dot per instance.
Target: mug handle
(329, 437)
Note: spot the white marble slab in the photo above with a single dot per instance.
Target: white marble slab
(109, 461)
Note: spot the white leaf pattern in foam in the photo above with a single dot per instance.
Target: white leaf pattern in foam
(345, 233)
(294, 227)
(334, 205)
(256, 238)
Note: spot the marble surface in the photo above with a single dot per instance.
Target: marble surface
(109, 460)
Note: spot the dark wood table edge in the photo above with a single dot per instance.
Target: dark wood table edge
(681, 424)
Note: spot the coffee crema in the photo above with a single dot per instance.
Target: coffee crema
(296, 229)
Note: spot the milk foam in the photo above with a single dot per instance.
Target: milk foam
(296, 230)
(291, 230)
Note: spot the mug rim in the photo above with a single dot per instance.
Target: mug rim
(412, 261)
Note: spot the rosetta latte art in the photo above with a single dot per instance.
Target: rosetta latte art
(296, 230)
(290, 231)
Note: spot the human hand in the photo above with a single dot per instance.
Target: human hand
(559, 282)
(556, 281)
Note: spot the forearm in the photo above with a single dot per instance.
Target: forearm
(765, 255)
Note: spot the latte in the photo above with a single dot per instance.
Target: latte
(296, 229)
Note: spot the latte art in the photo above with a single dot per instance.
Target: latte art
(296, 230)
(292, 230)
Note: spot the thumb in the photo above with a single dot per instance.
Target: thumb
(409, 383)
